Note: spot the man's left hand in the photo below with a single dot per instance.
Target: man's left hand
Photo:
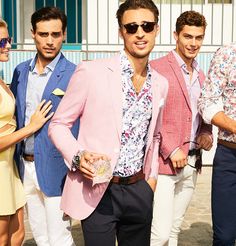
(204, 142)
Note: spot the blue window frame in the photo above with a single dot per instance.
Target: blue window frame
(72, 8)
(8, 14)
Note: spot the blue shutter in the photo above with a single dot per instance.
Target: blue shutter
(71, 20)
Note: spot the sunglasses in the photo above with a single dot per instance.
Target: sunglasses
(147, 27)
(4, 41)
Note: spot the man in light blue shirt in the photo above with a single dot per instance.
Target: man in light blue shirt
(41, 166)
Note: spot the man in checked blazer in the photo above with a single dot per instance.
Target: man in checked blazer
(183, 131)
(119, 102)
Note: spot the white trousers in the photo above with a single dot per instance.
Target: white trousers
(172, 197)
(45, 217)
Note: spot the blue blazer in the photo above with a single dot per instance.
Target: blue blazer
(50, 167)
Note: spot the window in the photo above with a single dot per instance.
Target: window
(73, 10)
(18, 18)
(191, 1)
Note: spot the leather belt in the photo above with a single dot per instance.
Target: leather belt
(227, 144)
(28, 157)
(128, 180)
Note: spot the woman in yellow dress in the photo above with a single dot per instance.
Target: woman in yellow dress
(12, 198)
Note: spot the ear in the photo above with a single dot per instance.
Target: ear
(176, 36)
(32, 34)
(64, 36)
(121, 33)
(157, 30)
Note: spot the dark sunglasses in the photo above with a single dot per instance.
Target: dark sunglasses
(4, 41)
(147, 26)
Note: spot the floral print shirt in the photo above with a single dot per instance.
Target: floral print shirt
(137, 112)
(219, 89)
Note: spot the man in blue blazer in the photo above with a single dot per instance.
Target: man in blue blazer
(41, 166)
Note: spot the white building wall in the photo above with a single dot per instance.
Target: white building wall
(103, 27)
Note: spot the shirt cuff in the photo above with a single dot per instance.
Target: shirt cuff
(211, 111)
(153, 175)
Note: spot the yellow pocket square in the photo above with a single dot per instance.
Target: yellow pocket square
(58, 92)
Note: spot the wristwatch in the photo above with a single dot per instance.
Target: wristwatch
(76, 160)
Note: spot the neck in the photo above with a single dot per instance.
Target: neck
(187, 61)
(41, 63)
(189, 66)
(138, 64)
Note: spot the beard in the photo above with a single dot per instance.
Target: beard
(48, 57)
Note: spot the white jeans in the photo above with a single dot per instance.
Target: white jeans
(172, 197)
(44, 213)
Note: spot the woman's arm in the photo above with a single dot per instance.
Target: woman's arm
(38, 119)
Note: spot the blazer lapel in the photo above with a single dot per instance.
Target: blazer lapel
(155, 107)
(179, 76)
(21, 90)
(115, 89)
(55, 78)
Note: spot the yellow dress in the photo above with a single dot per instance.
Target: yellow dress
(12, 195)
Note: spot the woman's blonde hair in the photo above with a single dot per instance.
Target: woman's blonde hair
(3, 23)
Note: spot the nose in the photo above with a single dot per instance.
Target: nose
(49, 39)
(193, 42)
(8, 45)
(140, 33)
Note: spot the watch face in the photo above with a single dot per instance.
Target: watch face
(77, 158)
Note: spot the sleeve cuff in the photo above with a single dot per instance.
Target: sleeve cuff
(211, 111)
(153, 174)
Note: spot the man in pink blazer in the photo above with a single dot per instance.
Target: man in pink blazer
(119, 103)
(183, 131)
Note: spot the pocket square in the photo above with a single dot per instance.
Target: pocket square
(58, 92)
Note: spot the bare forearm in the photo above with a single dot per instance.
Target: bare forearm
(224, 122)
(15, 137)
(37, 120)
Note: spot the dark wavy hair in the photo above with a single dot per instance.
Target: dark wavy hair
(137, 4)
(190, 18)
(46, 14)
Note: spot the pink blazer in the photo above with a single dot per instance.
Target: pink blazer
(95, 95)
(177, 115)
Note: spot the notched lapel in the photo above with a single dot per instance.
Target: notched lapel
(180, 78)
(155, 103)
(52, 84)
(55, 78)
(115, 84)
(21, 90)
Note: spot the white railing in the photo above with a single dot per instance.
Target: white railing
(100, 31)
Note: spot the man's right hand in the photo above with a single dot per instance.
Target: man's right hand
(179, 159)
(86, 163)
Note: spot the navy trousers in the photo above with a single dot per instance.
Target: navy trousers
(224, 196)
(124, 213)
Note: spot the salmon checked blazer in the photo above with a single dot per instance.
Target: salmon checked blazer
(177, 114)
